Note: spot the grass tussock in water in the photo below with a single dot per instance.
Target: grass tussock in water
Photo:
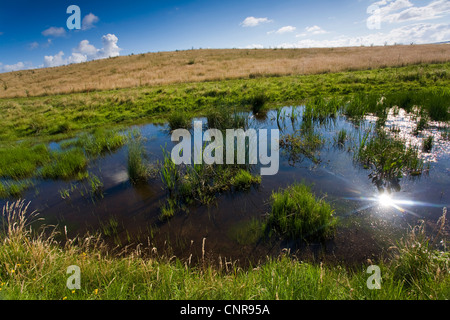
(296, 214)
(200, 183)
(21, 160)
(33, 265)
(387, 157)
(179, 120)
(305, 142)
(139, 169)
(65, 165)
(224, 117)
(97, 142)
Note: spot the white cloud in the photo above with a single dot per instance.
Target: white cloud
(88, 21)
(110, 48)
(254, 46)
(397, 11)
(85, 48)
(314, 30)
(54, 61)
(418, 33)
(285, 29)
(54, 32)
(85, 52)
(253, 22)
(14, 67)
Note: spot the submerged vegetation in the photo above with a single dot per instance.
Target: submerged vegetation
(302, 143)
(200, 183)
(388, 158)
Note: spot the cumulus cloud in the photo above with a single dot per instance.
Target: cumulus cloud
(56, 60)
(54, 32)
(88, 21)
(253, 22)
(85, 52)
(87, 49)
(110, 47)
(417, 33)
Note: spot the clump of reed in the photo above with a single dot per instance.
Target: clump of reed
(341, 137)
(97, 142)
(427, 144)
(305, 142)
(321, 109)
(200, 183)
(21, 161)
(387, 157)
(296, 214)
(257, 102)
(420, 257)
(179, 120)
(139, 169)
(65, 165)
(224, 117)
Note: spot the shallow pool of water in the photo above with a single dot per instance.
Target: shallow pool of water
(130, 214)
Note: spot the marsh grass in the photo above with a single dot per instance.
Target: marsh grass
(421, 257)
(98, 142)
(341, 137)
(387, 157)
(305, 142)
(296, 214)
(200, 183)
(139, 169)
(433, 102)
(33, 265)
(67, 164)
(427, 144)
(20, 161)
(321, 109)
(257, 102)
(225, 117)
(15, 189)
(179, 120)
(243, 180)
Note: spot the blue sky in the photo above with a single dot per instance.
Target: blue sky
(34, 34)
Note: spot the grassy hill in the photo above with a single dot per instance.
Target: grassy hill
(163, 68)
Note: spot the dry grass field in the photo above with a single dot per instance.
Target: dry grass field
(210, 64)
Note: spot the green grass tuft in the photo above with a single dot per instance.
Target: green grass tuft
(296, 214)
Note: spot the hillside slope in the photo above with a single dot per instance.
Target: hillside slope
(210, 64)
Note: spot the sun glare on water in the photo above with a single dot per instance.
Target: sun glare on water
(385, 200)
